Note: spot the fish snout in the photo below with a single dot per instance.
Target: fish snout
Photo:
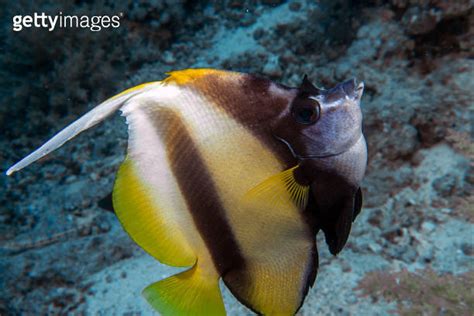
(348, 89)
(352, 89)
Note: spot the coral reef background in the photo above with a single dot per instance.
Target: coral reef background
(411, 249)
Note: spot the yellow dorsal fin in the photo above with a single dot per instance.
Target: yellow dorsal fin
(277, 190)
(182, 77)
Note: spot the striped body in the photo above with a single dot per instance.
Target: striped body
(197, 154)
(233, 176)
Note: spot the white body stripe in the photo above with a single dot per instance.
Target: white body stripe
(154, 168)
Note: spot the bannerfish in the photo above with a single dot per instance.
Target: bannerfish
(233, 175)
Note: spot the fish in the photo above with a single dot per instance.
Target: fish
(232, 176)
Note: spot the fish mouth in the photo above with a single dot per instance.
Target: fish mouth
(347, 89)
(351, 88)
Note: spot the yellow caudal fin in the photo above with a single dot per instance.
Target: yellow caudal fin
(280, 189)
(191, 292)
(148, 223)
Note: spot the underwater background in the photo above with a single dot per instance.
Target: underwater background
(411, 249)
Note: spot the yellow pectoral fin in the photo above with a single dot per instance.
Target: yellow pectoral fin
(146, 222)
(279, 190)
(278, 244)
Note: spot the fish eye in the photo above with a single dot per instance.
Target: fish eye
(306, 112)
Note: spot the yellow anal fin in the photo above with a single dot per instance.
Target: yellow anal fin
(279, 190)
(191, 292)
(146, 222)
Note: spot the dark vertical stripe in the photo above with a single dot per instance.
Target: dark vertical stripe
(248, 102)
(254, 106)
(199, 190)
(251, 103)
